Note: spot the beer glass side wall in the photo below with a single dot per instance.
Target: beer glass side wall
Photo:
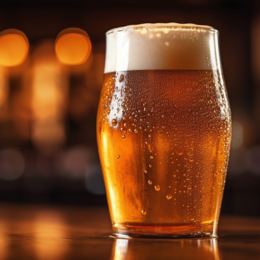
(164, 130)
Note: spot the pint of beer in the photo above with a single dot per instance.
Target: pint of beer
(164, 130)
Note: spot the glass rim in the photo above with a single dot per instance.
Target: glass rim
(164, 26)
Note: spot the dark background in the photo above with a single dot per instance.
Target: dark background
(66, 170)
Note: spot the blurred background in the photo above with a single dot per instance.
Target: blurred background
(51, 68)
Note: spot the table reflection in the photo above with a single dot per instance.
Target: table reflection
(49, 236)
(166, 249)
(4, 243)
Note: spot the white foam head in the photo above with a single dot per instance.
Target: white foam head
(160, 46)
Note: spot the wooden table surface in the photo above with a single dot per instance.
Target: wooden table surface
(55, 233)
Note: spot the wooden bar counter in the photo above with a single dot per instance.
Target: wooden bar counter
(60, 233)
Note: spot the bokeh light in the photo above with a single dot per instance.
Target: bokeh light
(11, 164)
(94, 179)
(72, 46)
(75, 160)
(49, 97)
(237, 134)
(14, 47)
(4, 86)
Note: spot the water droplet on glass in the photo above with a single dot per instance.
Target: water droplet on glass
(143, 212)
(168, 197)
(118, 157)
(163, 116)
(136, 131)
(121, 78)
(114, 122)
(151, 157)
(157, 187)
(145, 171)
(130, 130)
(150, 182)
(150, 166)
(149, 136)
(123, 136)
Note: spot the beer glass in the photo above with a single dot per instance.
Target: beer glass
(164, 130)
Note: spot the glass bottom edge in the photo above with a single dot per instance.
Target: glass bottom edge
(164, 231)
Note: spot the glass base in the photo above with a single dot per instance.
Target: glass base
(164, 231)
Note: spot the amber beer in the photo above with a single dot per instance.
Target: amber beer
(164, 131)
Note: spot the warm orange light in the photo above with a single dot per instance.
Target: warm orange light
(49, 234)
(49, 86)
(14, 47)
(73, 46)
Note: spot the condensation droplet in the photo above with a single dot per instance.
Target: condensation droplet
(168, 197)
(136, 131)
(130, 130)
(121, 78)
(145, 171)
(150, 166)
(157, 187)
(143, 212)
(123, 136)
(114, 122)
(151, 157)
(118, 157)
(149, 136)
(150, 182)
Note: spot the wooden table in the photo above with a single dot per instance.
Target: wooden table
(55, 233)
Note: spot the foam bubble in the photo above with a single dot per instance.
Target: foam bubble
(169, 46)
